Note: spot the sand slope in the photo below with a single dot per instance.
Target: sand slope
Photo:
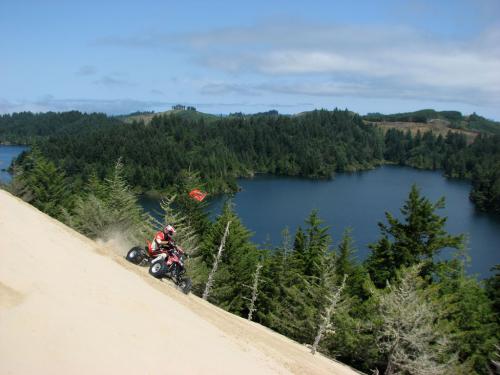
(70, 306)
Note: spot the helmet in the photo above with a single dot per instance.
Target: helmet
(169, 229)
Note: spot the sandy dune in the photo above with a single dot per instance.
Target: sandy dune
(70, 306)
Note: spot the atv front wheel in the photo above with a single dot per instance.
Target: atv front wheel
(135, 255)
(158, 269)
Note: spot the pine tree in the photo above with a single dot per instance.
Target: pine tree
(346, 264)
(43, 185)
(303, 285)
(111, 207)
(493, 290)
(237, 263)
(90, 216)
(381, 262)
(417, 239)
(19, 185)
(275, 262)
(468, 315)
(299, 248)
(317, 244)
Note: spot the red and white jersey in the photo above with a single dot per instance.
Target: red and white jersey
(160, 236)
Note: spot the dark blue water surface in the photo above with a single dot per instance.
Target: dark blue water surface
(268, 204)
(7, 154)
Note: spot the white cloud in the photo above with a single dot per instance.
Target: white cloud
(392, 60)
(324, 60)
(288, 61)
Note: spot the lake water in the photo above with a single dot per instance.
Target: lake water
(7, 154)
(268, 204)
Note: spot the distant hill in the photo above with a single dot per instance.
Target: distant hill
(25, 127)
(192, 114)
(146, 117)
(439, 122)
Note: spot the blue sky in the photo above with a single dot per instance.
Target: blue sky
(228, 56)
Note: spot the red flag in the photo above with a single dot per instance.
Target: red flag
(197, 194)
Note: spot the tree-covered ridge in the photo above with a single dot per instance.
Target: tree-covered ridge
(315, 145)
(28, 127)
(454, 119)
(479, 161)
(190, 114)
(423, 115)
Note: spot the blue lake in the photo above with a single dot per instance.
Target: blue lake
(268, 204)
(7, 154)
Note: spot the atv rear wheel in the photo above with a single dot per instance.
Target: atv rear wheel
(185, 284)
(135, 255)
(158, 269)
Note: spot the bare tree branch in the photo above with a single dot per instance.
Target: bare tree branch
(326, 317)
(210, 281)
(255, 291)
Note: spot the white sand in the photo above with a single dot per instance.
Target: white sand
(70, 306)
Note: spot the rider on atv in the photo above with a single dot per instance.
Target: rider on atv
(163, 243)
(165, 258)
